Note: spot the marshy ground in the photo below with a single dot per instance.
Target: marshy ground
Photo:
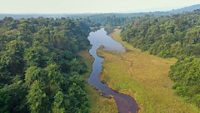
(145, 77)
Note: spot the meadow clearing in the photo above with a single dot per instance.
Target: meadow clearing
(145, 77)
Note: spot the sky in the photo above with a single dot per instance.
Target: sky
(90, 6)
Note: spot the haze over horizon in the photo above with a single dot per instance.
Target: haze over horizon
(90, 6)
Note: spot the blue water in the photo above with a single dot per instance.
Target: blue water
(125, 103)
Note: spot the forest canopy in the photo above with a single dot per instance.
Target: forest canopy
(40, 67)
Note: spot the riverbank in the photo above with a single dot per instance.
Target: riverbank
(144, 77)
(98, 103)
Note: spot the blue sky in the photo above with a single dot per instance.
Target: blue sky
(90, 6)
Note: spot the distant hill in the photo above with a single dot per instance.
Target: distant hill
(122, 15)
(186, 9)
(173, 11)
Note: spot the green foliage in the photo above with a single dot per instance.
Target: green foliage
(39, 65)
(36, 56)
(12, 98)
(34, 73)
(166, 36)
(109, 19)
(186, 75)
(58, 103)
(172, 36)
(11, 60)
(37, 98)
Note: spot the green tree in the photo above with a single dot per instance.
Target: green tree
(37, 98)
(36, 56)
(58, 103)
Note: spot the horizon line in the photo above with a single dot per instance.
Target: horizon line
(77, 13)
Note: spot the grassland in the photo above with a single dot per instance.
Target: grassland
(98, 103)
(145, 77)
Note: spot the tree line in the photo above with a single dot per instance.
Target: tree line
(172, 36)
(40, 67)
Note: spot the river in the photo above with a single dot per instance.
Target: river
(125, 103)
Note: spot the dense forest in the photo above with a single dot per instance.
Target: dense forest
(40, 67)
(108, 21)
(172, 36)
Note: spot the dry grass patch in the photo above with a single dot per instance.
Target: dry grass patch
(144, 77)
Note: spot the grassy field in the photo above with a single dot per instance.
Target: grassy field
(98, 104)
(145, 77)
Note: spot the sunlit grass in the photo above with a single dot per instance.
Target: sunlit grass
(98, 103)
(145, 77)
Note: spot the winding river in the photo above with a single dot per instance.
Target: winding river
(125, 103)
